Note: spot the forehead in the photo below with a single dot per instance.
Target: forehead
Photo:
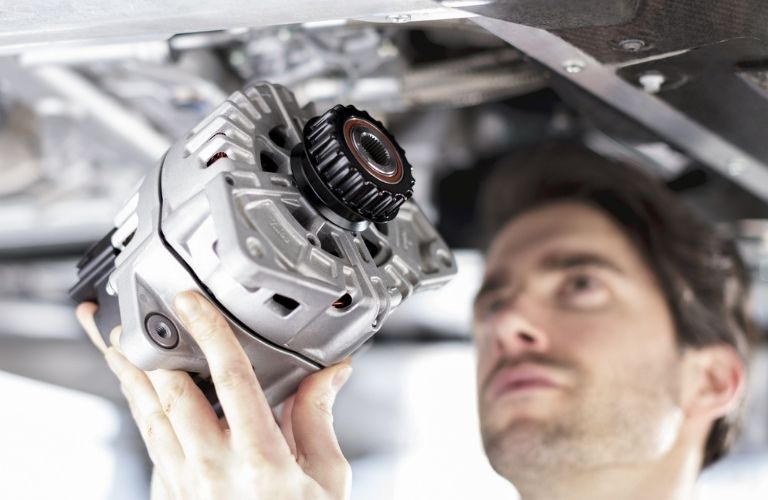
(562, 226)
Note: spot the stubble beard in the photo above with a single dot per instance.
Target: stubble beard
(594, 432)
(529, 449)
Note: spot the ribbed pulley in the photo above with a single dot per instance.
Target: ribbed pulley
(353, 166)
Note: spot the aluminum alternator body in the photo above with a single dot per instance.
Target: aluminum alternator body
(223, 215)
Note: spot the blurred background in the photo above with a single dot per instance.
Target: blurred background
(90, 98)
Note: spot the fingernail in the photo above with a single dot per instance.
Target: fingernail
(186, 305)
(340, 377)
(114, 336)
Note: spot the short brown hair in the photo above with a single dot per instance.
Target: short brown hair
(700, 271)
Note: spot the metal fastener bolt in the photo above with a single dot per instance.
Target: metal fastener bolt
(652, 81)
(737, 166)
(573, 66)
(398, 18)
(161, 330)
(632, 45)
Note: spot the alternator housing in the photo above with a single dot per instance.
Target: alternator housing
(222, 214)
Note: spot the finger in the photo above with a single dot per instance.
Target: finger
(250, 418)
(155, 428)
(158, 487)
(285, 424)
(189, 412)
(114, 337)
(85, 315)
(317, 447)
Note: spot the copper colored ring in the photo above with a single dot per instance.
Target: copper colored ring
(349, 125)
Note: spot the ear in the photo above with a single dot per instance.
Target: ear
(713, 383)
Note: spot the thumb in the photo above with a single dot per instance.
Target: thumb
(317, 448)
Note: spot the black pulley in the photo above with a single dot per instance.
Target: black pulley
(352, 168)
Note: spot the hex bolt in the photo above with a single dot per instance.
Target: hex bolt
(632, 45)
(737, 166)
(652, 81)
(573, 66)
(398, 18)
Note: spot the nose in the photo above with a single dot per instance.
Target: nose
(512, 328)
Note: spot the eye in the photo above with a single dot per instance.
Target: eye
(487, 307)
(583, 290)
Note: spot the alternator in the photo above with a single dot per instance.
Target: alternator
(297, 227)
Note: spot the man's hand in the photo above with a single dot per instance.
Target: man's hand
(249, 456)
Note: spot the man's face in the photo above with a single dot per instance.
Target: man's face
(577, 361)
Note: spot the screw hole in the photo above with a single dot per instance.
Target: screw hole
(161, 330)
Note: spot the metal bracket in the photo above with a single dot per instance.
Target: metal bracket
(646, 109)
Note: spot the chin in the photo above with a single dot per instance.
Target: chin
(512, 435)
(516, 451)
(525, 448)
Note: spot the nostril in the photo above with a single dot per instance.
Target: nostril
(528, 339)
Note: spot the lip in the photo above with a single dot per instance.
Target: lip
(519, 379)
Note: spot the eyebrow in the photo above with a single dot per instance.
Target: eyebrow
(565, 260)
(558, 261)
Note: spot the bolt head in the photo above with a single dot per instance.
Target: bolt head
(652, 81)
(737, 166)
(161, 330)
(632, 45)
(398, 18)
(574, 66)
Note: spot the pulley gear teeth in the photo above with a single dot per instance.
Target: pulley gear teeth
(370, 177)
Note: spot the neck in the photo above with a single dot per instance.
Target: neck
(673, 477)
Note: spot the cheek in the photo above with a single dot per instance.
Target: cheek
(485, 355)
(616, 354)
(606, 343)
